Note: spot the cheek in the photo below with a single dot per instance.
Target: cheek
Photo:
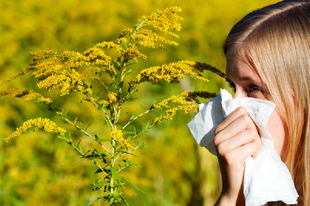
(275, 127)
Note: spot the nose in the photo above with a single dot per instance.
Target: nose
(239, 93)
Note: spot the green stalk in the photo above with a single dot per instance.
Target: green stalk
(112, 165)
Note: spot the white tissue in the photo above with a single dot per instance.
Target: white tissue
(266, 178)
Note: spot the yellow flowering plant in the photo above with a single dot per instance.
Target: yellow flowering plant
(108, 83)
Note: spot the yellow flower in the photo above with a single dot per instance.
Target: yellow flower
(169, 73)
(108, 45)
(125, 32)
(147, 38)
(41, 124)
(117, 135)
(180, 104)
(165, 20)
(94, 54)
(42, 55)
(132, 53)
(67, 82)
(27, 94)
(110, 99)
(169, 114)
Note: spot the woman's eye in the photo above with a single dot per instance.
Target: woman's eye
(253, 88)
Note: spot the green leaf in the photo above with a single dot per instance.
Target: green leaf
(100, 106)
(110, 85)
(128, 100)
(129, 132)
(132, 117)
(135, 91)
(130, 162)
(97, 163)
(94, 200)
(103, 121)
(69, 137)
(111, 200)
(68, 114)
(125, 201)
(98, 93)
(124, 43)
(49, 108)
(147, 125)
(135, 131)
(88, 126)
(99, 171)
(129, 138)
(98, 139)
(129, 72)
(135, 186)
(79, 146)
(96, 154)
(64, 120)
(75, 120)
(123, 114)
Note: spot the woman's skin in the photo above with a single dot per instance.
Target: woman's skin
(237, 138)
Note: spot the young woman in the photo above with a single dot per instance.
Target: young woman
(268, 57)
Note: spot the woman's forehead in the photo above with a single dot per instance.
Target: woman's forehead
(237, 67)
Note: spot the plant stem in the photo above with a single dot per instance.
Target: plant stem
(82, 130)
(140, 115)
(112, 165)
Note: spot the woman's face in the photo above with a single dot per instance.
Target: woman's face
(246, 83)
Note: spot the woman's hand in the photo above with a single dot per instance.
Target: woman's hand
(236, 138)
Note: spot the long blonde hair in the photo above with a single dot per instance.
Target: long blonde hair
(275, 41)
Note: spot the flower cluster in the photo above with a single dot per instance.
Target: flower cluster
(150, 39)
(164, 21)
(118, 136)
(27, 94)
(181, 105)
(62, 71)
(41, 124)
(206, 67)
(132, 54)
(107, 45)
(67, 81)
(169, 73)
(96, 55)
(40, 56)
(110, 99)
(203, 94)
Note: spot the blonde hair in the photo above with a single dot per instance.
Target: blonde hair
(275, 41)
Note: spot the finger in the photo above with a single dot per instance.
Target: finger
(232, 116)
(241, 139)
(238, 125)
(237, 156)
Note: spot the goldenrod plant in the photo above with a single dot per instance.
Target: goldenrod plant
(108, 77)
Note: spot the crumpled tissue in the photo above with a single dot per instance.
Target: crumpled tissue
(266, 178)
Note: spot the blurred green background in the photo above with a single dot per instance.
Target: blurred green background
(39, 169)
